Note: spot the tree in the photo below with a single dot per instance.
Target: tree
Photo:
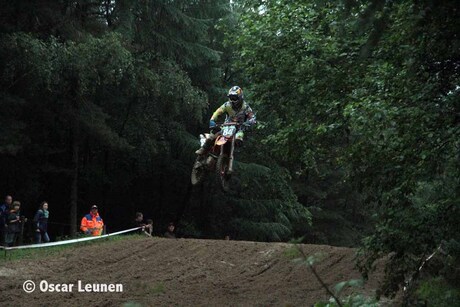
(362, 99)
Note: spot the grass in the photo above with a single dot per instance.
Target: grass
(158, 288)
(43, 252)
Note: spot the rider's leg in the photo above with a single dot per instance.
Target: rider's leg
(207, 144)
(239, 138)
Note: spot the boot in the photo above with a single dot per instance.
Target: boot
(206, 146)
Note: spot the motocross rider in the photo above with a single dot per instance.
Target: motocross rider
(236, 110)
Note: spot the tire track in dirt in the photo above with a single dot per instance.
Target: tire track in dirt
(183, 272)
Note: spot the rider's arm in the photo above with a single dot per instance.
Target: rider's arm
(84, 225)
(250, 116)
(218, 112)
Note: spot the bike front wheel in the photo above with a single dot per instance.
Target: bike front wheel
(222, 176)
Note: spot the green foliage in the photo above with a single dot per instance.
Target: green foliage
(357, 104)
(352, 300)
(265, 199)
(421, 231)
(349, 283)
(126, 81)
(437, 292)
(158, 288)
(362, 101)
(290, 54)
(128, 89)
(292, 252)
(258, 207)
(356, 300)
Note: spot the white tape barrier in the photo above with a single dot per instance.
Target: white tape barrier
(69, 241)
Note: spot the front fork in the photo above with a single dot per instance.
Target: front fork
(230, 158)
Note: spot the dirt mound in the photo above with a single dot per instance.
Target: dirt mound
(182, 272)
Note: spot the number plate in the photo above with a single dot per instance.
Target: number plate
(228, 131)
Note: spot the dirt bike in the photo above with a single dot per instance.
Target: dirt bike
(219, 158)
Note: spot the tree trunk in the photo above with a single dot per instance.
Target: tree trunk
(74, 183)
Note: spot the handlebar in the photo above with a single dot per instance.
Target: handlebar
(218, 125)
(245, 124)
(228, 124)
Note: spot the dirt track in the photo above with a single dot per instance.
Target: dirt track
(182, 272)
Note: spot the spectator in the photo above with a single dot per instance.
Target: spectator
(170, 232)
(4, 211)
(146, 226)
(41, 224)
(149, 230)
(14, 223)
(92, 223)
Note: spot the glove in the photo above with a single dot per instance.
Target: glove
(212, 124)
(249, 122)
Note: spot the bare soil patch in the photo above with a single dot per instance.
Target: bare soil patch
(182, 272)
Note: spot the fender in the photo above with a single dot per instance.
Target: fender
(220, 140)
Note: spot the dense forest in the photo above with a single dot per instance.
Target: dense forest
(357, 141)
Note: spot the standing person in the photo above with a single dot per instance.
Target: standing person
(4, 211)
(14, 223)
(41, 224)
(146, 226)
(170, 232)
(92, 223)
(149, 227)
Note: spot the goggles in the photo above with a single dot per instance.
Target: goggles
(233, 97)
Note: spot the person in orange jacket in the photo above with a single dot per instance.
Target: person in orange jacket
(92, 223)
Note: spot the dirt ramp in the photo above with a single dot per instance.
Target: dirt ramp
(182, 272)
